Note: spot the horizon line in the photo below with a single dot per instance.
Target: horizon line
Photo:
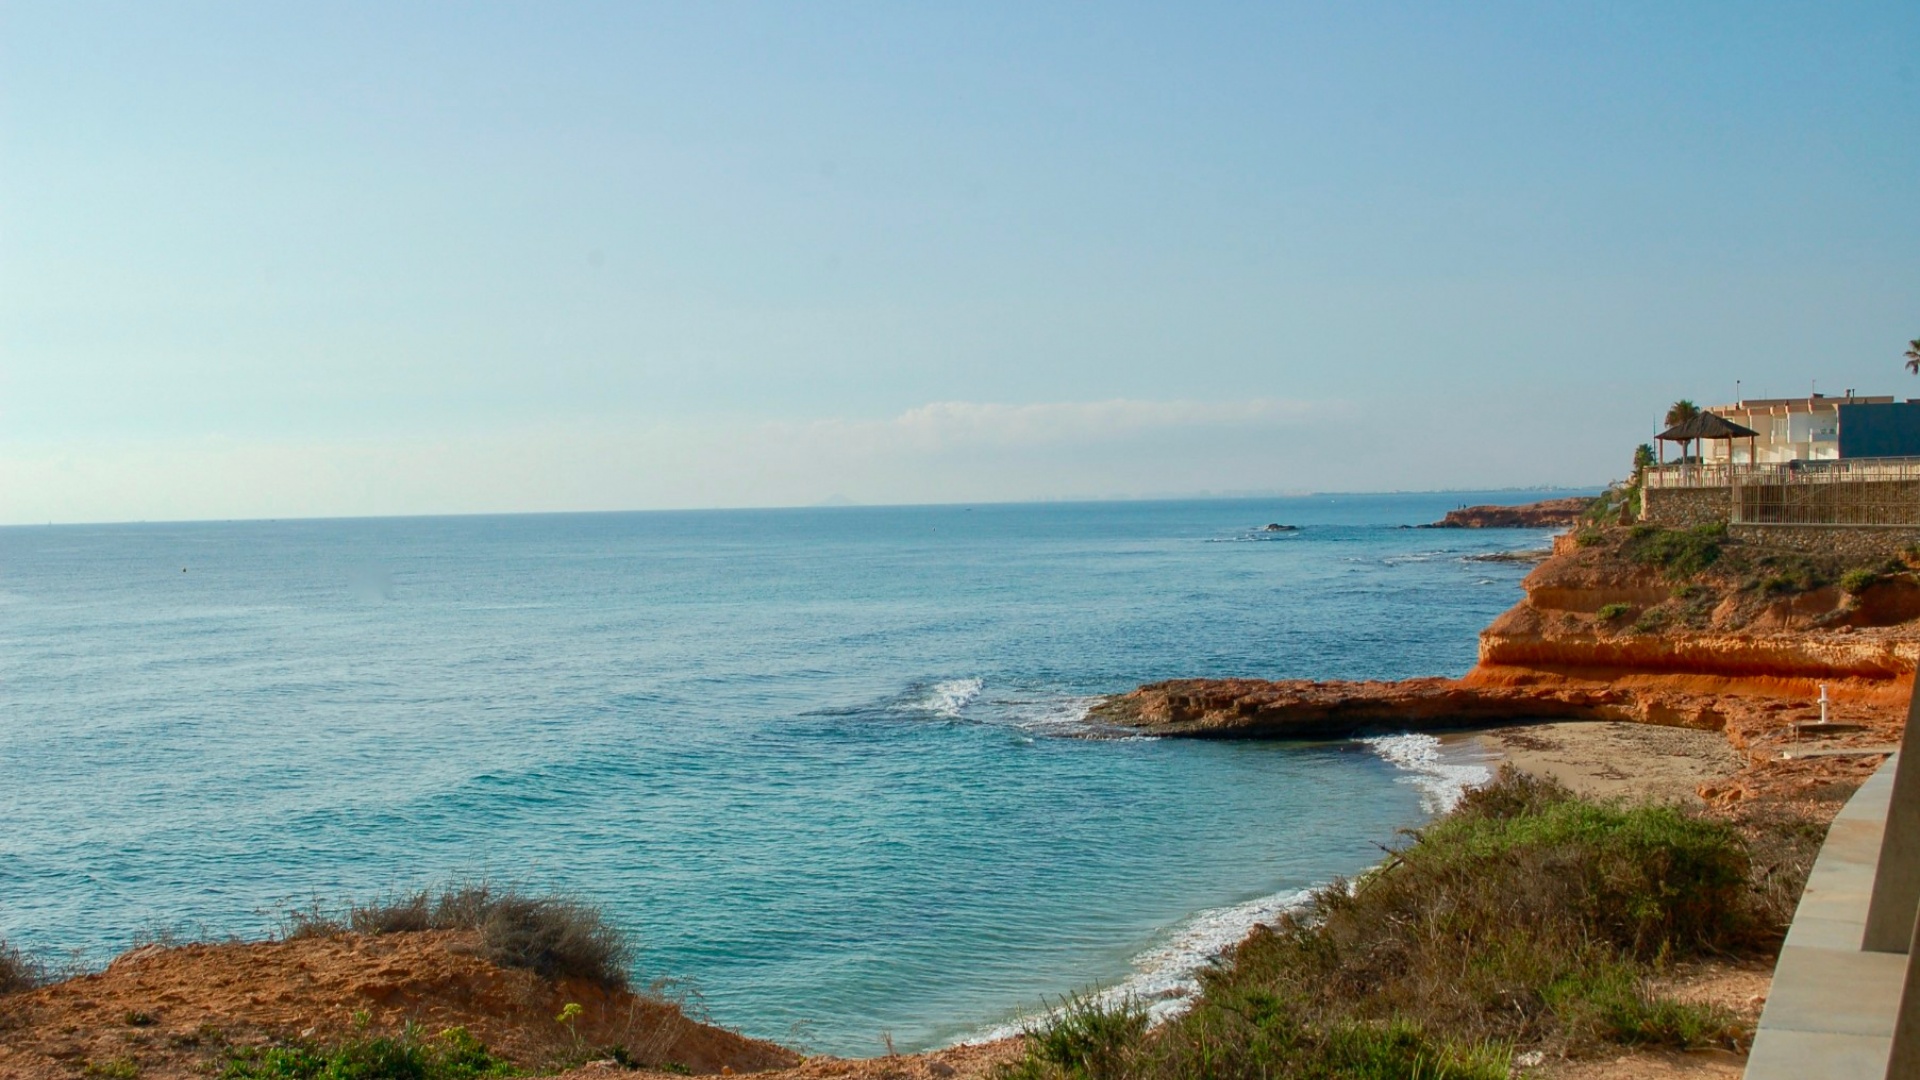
(830, 504)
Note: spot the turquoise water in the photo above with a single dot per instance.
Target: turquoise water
(824, 764)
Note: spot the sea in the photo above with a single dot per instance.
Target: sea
(830, 768)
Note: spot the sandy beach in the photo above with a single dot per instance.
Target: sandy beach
(1611, 758)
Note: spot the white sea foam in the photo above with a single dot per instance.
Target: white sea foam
(949, 697)
(1167, 976)
(1441, 779)
(1064, 716)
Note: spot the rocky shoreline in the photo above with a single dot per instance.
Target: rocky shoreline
(1547, 514)
(1602, 634)
(1612, 674)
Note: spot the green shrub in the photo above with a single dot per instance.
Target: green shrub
(552, 936)
(1605, 506)
(1784, 573)
(1255, 1036)
(1647, 881)
(1651, 620)
(1614, 1003)
(454, 1054)
(1610, 612)
(1680, 553)
(1526, 916)
(1589, 537)
(1084, 1039)
(1859, 580)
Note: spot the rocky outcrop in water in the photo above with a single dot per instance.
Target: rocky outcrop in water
(1741, 645)
(1549, 514)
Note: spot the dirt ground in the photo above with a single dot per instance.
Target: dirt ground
(164, 1013)
(1603, 758)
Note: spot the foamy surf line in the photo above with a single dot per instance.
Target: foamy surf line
(1167, 976)
(1047, 715)
(949, 697)
(1441, 781)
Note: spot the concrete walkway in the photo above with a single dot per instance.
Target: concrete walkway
(1831, 1010)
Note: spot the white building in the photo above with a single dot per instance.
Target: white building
(1818, 428)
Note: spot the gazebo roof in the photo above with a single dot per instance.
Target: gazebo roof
(1706, 426)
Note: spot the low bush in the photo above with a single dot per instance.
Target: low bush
(1085, 1039)
(454, 1054)
(1526, 916)
(1858, 580)
(1652, 620)
(1610, 612)
(1680, 553)
(552, 936)
(18, 971)
(1615, 1004)
(1784, 573)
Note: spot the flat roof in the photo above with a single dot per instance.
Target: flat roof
(1801, 403)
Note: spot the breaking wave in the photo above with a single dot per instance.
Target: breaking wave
(1166, 976)
(1441, 781)
(950, 697)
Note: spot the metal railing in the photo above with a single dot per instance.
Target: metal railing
(1710, 474)
(1848, 493)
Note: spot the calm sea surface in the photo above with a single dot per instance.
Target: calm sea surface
(821, 763)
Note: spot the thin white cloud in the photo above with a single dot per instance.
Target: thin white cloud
(948, 422)
(950, 451)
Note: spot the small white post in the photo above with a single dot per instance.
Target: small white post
(1823, 703)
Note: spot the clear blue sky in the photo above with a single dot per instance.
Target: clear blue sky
(268, 260)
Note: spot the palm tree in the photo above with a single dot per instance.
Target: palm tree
(1913, 356)
(1679, 413)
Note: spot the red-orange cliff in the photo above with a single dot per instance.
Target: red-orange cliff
(1688, 629)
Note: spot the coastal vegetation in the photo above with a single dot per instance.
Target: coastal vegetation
(459, 982)
(1678, 553)
(552, 936)
(19, 971)
(453, 1054)
(1528, 919)
(1714, 579)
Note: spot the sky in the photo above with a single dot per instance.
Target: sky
(269, 260)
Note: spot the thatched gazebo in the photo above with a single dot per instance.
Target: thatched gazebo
(1707, 426)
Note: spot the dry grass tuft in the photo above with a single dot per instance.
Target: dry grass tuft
(20, 972)
(552, 936)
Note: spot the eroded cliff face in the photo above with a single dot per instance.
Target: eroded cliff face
(1590, 614)
(1696, 633)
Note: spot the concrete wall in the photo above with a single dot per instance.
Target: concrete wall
(1685, 507)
